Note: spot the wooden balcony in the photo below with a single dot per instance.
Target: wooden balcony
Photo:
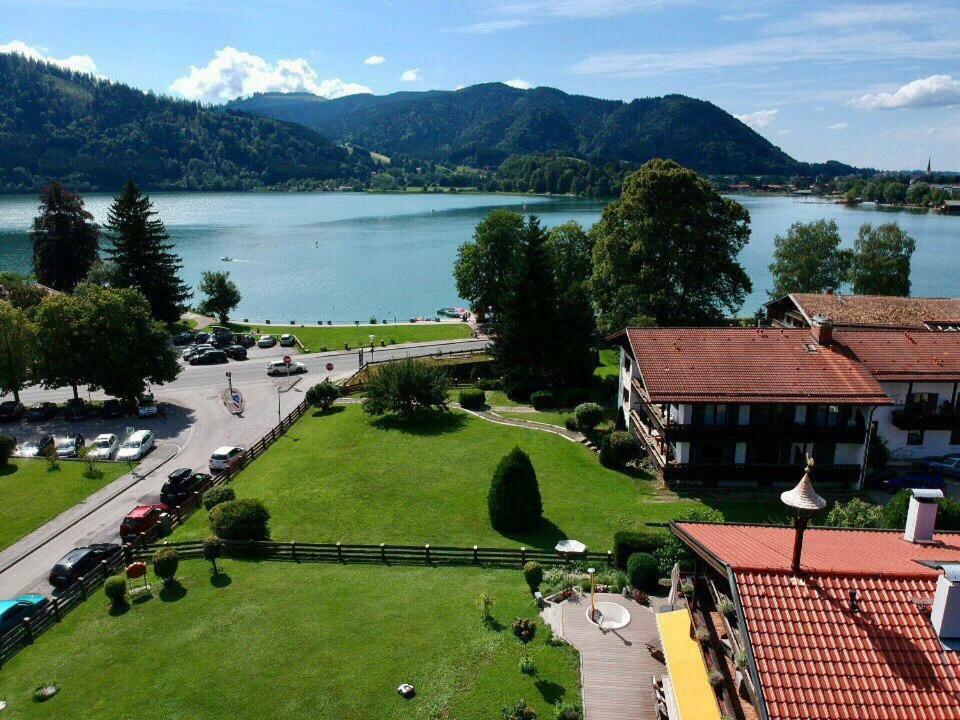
(756, 474)
(919, 417)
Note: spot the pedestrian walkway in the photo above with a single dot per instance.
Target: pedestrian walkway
(615, 666)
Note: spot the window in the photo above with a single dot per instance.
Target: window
(915, 437)
(712, 452)
(925, 401)
(764, 453)
(824, 453)
(712, 415)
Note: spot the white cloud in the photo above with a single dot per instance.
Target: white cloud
(79, 63)
(233, 73)
(782, 133)
(491, 26)
(933, 91)
(375, 60)
(759, 119)
(839, 126)
(411, 75)
(581, 8)
(518, 84)
(459, 87)
(743, 17)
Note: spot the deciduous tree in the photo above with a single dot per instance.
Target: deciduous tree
(65, 239)
(881, 260)
(483, 264)
(222, 295)
(64, 348)
(17, 335)
(406, 387)
(808, 259)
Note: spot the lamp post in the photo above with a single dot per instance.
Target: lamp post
(804, 502)
(593, 605)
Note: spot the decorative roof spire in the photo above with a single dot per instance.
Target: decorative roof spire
(803, 498)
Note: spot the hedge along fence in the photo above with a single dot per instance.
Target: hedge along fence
(380, 554)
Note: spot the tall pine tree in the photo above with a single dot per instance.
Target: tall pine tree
(65, 239)
(143, 258)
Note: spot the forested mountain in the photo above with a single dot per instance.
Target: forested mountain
(94, 134)
(482, 125)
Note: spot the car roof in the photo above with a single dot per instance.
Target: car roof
(225, 449)
(142, 510)
(75, 554)
(139, 435)
(7, 604)
(104, 436)
(180, 473)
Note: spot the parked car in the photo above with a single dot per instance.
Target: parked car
(41, 411)
(112, 408)
(221, 341)
(236, 352)
(921, 478)
(12, 612)
(195, 350)
(79, 562)
(141, 519)
(287, 340)
(68, 446)
(185, 338)
(181, 484)
(948, 465)
(136, 446)
(147, 406)
(211, 357)
(201, 338)
(11, 411)
(266, 341)
(77, 409)
(225, 458)
(245, 340)
(279, 367)
(104, 446)
(36, 447)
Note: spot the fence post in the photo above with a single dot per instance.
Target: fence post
(383, 553)
(29, 628)
(339, 552)
(105, 568)
(426, 549)
(83, 591)
(127, 554)
(609, 558)
(293, 550)
(523, 555)
(476, 559)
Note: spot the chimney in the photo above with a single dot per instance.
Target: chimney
(945, 614)
(922, 515)
(822, 330)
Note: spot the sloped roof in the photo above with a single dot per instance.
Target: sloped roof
(876, 309)
(733, 365)
(816, 658)
(905, 354)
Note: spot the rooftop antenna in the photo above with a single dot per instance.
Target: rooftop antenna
(804, 502)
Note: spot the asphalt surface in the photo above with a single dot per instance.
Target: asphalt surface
(195, 424)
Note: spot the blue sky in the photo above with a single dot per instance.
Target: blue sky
(869, 83)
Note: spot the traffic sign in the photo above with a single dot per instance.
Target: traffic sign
(287, 359)
(329, 367)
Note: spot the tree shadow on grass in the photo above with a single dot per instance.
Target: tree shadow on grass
(118, 609)
(550, 691)
(543, 537)
(422, 423)
(491, 623)
(220, 580)
(8, 469)
(335, 410)
(172, 591)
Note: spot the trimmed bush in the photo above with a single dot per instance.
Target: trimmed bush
(489, 383)
(216, 495)
(518, 711)
(567, 712)
(543, 400)
(854, 514)
(244, 519)
(533, 574)
(894, 513)
(514, 499)
(572, 397)
(165, 563)
(588, 415)
(322, 395)
(628, 542)
(7, 446)
(617, 448)
(212, 551)
(570, 423)
(472, 398)
(115, 588)
(642, 571)
(405, 387)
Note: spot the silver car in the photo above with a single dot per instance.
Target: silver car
(104, 447)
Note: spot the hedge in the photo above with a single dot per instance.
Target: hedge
(472, 398)
(642, 571)
(628, 542)
(543, 400)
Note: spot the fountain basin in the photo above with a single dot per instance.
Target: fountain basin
(612, 616)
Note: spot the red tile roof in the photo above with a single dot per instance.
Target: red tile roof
(817, 659)
(747, 365)
(876, 309)
(905, 354)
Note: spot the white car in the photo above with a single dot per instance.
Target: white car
(136, 446)
(279, 367)
(104, 447)
(147, 406)
(226, 458)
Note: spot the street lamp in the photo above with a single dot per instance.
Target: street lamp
(804, 502)
(593, 606)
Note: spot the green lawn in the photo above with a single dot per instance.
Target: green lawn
(549, 418)
(333, 338)
(32, 494)
(609, 363)
(278, 640)
(350, 478)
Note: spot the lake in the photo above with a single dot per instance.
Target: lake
(350, 256)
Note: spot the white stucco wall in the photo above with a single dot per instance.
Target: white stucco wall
(935, 442)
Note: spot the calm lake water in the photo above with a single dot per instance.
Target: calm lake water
(348, 256)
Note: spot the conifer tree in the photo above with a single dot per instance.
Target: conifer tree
(65, 239)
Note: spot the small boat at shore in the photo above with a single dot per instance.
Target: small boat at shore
(453, 312)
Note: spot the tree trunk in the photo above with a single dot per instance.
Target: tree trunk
(76, 393)
(16, 394)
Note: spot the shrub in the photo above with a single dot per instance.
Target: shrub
(642, 570)
(216, 495)
(524, 630)
(518, 711)
(570, 423)
(212, 551)
(640, 597)
(405, 387)
(115, 588)
(572, 397)
(165, 563)
(514, 499)
(687, 589)
(485, 603)
(703, 635)
(726, 608)
(244, 519)
(627, 542)
(617, 448)
(322, 395)
(895, 511)
(526, 665)
(472, 398)
(533, 574)
(7, 446)
(740, 659)
(588, 415)
(543, 400)
(716, 679)
(854, 514)
(489, 383)
(567, 712)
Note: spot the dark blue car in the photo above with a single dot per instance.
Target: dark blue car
(921, 479)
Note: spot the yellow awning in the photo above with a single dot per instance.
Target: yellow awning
(696, 699)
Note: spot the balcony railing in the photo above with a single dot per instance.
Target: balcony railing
(922, 417)
(756, 473)
(787, 433)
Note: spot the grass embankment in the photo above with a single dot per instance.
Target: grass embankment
(350, 478)
(334, 338)
(32, 494)
(276, 640)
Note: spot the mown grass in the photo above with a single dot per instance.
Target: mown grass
(334, 338)
(32, 494)
(277, 640)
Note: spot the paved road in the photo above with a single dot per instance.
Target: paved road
(196, 423)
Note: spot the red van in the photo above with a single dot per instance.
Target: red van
(141, 519)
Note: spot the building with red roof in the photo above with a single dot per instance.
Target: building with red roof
(803, 310)
(720, 405)
(865, 627)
